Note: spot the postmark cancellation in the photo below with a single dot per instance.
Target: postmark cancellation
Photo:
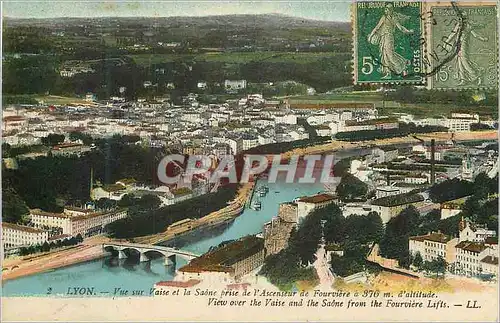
(467, 33)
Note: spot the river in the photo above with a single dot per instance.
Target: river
(108, 273)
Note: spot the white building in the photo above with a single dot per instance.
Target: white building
(298, 134)
(345, 115)
(432, 246)
(489, 265)
(90, 97)
(349, 209)
(461, 121)
(179, 195)
(416, 179)
(249, 141)
(384, 154)
(287, 119)
(236, 144)
(469, 256)
(474, 232)
(221, 149)
(265, 139)
(262, 122)
(334, 127)
(306, 205)
(42, 219)
(323, 130)
(383, 191)
(448, 212)
(321, 118)
(74, 222)
(235, 84)
(19, 235)
(419, 149)
(191, 117)
(390, 206)
(359, 170)
(458, 122)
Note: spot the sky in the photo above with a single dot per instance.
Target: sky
(329, 10)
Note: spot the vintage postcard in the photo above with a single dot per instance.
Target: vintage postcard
(249, 161)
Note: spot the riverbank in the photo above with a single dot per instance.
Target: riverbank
(18, 267)
(244, 194)
(213, 219)
(91, 248)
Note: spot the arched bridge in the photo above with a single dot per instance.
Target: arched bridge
(144, 250)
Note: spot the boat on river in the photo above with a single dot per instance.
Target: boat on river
(262, 191)
(256, 206)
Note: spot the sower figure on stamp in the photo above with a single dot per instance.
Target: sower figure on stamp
(466, 70)
(383, 36)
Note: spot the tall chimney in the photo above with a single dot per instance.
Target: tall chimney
(433, 151)
(91, 181)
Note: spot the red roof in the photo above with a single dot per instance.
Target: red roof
(471, 246)
(434, 237)
(492, 260)
(491, 240)
(18, 227)
(13, 118)
(320, 198)
(181, 284)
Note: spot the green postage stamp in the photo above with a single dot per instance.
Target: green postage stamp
(445, 45)
(387, 46)
(469, 33)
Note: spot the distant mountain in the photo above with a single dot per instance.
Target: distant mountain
(264, 21)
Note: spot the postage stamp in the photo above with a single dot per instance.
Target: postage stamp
(469, 33)
(386, 42)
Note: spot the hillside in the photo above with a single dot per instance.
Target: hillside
(249, 21)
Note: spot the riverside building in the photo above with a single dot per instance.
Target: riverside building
(14, 235)
(227, 263)
(433, 245)
(75, 221)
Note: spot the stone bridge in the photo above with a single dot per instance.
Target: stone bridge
(144, 250)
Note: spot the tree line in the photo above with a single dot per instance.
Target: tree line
(38, 75)
(146, 218)
(408, 94)
(437, 266)
(46, 247)
(456, 188)
(44, 181)
(404, 129)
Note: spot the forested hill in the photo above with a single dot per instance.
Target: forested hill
(264, 21)
(105, 54)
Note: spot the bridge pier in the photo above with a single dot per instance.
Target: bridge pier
(121, 254)
(143, 257)
(170, 260)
